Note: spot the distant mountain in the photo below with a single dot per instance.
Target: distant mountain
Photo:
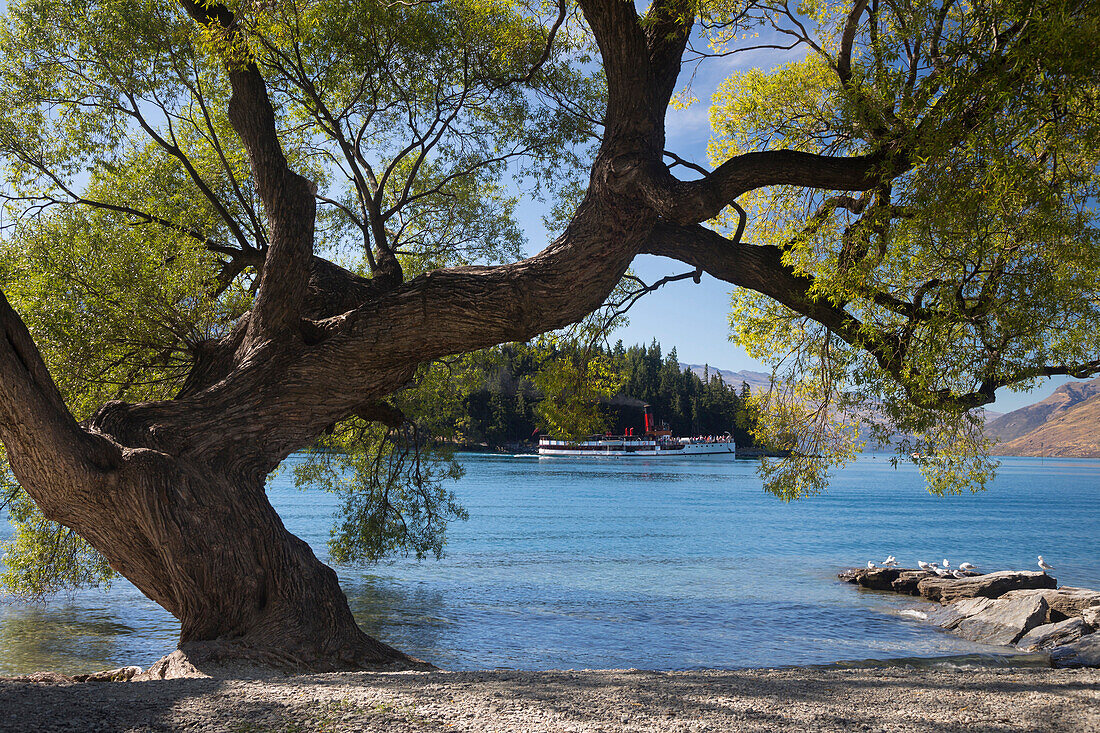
(762, 381)
(756, 380)
(1073, 433)
(1020, 422)
(1065, 424)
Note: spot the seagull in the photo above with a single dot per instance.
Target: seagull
(941, 572)
(945, 563)
(966, 566)
(870, 565)
(889, 562)
(959, 574)
(1043, 564)
(933, 566)
(923, 565)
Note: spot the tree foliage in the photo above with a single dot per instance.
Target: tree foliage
(971, 265)
(392, 479)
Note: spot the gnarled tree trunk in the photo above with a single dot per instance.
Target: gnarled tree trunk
(172, 493)
(193, 531)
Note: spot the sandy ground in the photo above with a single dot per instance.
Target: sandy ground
(892, 699)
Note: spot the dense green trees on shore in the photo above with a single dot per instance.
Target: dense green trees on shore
(502, 406)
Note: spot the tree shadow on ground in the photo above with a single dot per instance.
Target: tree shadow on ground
(785, 699)
(795, 699)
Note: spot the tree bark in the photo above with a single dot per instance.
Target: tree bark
(211, 550)
(196, 535)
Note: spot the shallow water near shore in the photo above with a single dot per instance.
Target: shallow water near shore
(643, 563)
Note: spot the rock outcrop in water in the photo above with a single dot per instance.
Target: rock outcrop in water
(1023, 608)
(993, 585)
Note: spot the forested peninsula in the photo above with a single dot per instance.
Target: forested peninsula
(505, 406)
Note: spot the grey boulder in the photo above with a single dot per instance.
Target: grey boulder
(1049, 636)
(907, 580)
(1004, 620)
(951, 615)
(1091, 616)
(1065, 602)
(991, 585)
(872, 578)
(1085, 652)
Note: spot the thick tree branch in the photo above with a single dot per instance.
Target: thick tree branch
(668, 29)
(625, 52)
(747, 266)
(291, 393)
(383, 264)
(760, 268)
(692, 202)
(955, 113)
(847, 41)
(332, 291)
(43, 440)
(288, 198)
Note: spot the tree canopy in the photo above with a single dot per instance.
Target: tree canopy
(233, 228)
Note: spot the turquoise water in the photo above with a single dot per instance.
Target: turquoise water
(646, 563)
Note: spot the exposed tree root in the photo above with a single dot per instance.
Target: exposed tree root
(234, 660)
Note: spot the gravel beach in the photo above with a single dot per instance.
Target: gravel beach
(885, 699)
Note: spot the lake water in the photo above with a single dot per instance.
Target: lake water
(643, 563)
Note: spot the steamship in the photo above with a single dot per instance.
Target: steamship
(655, 441)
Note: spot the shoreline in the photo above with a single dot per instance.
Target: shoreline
(792, 698)
(996, 658)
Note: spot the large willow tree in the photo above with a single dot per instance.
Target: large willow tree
(906, 213)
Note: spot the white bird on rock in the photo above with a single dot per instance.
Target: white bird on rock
(923, 565)
(870, 565)
(942, 573)
(889, 562)
(966, 566)
(959, 574)
(1043, 564)
(945, 563)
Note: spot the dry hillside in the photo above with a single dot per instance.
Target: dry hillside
(1019, 423)
(1065, 424)
(1073, 433)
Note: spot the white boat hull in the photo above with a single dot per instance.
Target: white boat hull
(628, 448)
